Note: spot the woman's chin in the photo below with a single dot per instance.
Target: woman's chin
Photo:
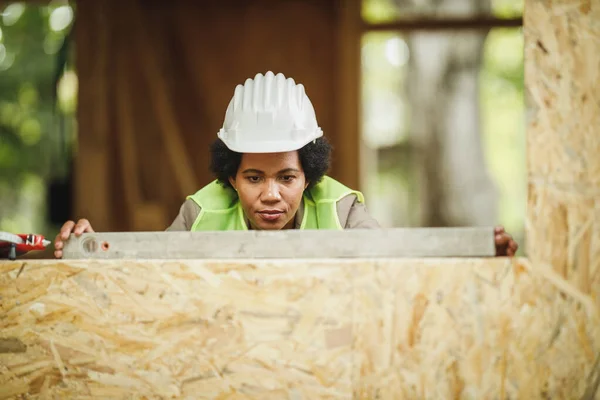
(269, 225)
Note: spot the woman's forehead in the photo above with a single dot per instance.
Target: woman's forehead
(270, 162)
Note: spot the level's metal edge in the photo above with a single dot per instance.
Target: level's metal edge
(372, 243)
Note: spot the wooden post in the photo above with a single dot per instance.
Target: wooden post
(347, 98)
(92, 161)
(172, 136)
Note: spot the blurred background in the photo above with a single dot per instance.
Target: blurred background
(107, 107)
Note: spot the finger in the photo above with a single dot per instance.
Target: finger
(499, 229)
(514, 246)
(58, 245)
(500, 250)
(66, 229)
(58, 254)
(502, 239)
(88, 226)
(82, 226)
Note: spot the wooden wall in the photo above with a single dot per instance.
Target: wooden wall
(155, 81)
(486, 328)
(562, 76)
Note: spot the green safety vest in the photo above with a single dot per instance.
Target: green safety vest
(221, 209)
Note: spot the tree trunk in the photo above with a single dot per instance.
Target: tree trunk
(443, 91)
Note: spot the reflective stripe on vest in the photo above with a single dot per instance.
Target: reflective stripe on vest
(222, 211)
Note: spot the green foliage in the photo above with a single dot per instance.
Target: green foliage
(508, 8)
(503, 123)
(380, 11)
(501, 103)
(30, 141)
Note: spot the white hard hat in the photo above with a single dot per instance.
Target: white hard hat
(269, 114)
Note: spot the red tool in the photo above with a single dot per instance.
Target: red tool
(11, 244)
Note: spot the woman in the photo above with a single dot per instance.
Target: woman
(270, 160)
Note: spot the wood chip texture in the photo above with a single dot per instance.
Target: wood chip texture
(562, 76)
(295, 329)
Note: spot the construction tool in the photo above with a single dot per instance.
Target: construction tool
(12, 245)
(355, 243)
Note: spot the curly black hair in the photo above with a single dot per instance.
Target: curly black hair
(315, 158)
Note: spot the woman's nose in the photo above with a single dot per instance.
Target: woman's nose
(271, 192)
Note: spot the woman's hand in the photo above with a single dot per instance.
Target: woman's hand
(82, 226)
(505, 244)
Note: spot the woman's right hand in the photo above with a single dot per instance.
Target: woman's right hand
(82, 226)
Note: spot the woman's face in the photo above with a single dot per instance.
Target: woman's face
(270, 188)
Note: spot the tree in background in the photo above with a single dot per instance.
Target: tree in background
(444, 117)
(37, 107)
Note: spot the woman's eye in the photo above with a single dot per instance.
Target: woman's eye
(288, 178)
(253, 179)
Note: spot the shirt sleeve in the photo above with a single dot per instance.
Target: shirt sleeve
(354, 215)
(188, 213)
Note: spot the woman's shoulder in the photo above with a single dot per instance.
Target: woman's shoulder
(188, 212)
(328, 188)
(214, 196)
(353, 214)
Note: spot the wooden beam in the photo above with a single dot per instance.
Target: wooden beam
(141, 214)
(93, 166)
(406, 242)
(562, 60)
(441, 24)
(164, 108)
(126, 135)
(347, 99)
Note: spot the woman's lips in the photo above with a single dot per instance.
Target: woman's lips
(270, 215)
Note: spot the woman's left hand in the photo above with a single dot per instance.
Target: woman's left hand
(505, 244)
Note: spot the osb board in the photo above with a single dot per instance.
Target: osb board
(562, 77)
(436, 328)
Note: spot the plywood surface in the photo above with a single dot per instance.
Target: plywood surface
(562, 76)
(441, 328)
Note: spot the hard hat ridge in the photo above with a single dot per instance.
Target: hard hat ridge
(270, 113)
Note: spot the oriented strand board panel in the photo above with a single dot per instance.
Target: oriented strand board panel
(562, 76)
(320, 329)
